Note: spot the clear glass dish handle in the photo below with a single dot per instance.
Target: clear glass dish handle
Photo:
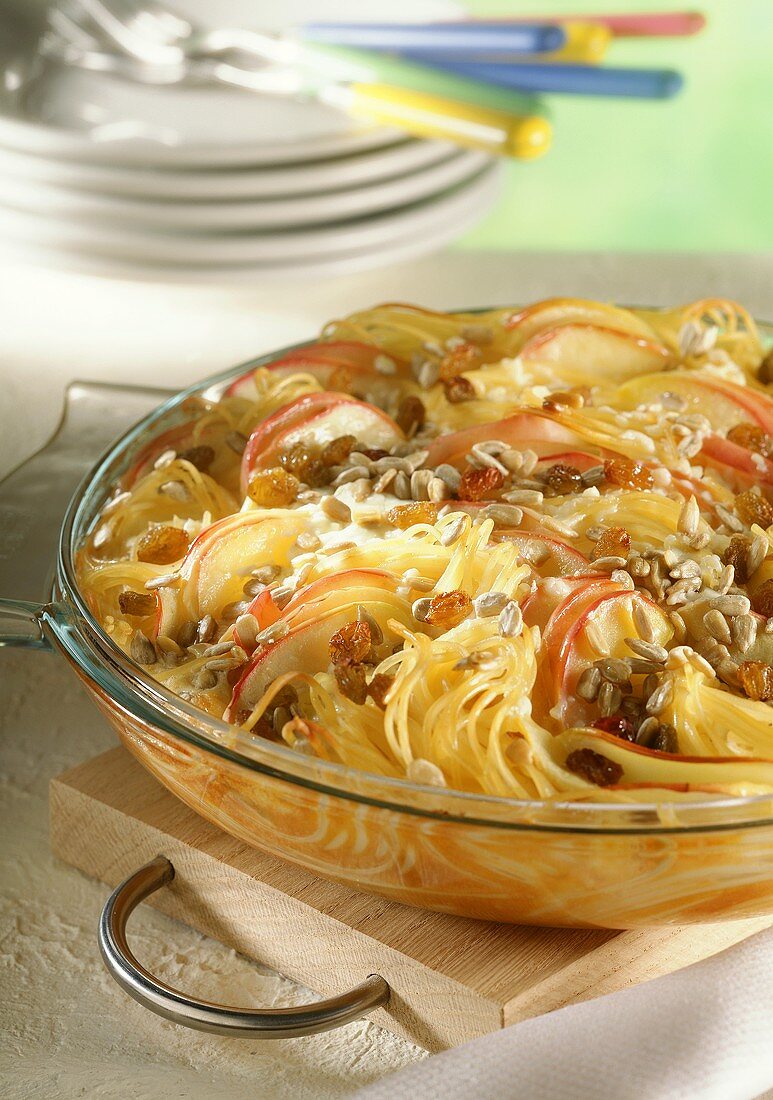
(34, 496)
(164, 1000)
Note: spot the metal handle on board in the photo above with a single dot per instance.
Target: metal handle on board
(152, 993)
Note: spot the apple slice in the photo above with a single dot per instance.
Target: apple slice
(548, 555)
(214, 565)
(342, 590)
(529, 429)
(555, 312)
(737, 463)
(559, 597)
(342, 365)
(724, 403)
(306, 649)
(612, 617)
(318, 418)
(581, 352)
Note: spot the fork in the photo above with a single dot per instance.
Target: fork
(142, 40)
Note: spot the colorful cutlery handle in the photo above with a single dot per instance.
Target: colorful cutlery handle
(462, 37)
(648, 24)
(569, 79)
(432, 116)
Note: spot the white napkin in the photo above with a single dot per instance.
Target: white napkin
(702, 1033)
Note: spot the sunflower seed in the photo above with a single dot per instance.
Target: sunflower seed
(508, 515)
(449, 475)
(420, 609)
(336, 510)
(733, 605)
(478, 334)
(420, 480)
(533, 497)
(595, 531)
(608, 563)
(512, 459)
(272, 633)
(756, 554)
(511, 620)
(596, 639)
(744, 632)
(401, 486)
(727, 671)
(428, 374)
(689, 517)
(364, 616)
(687, 568)
(437, 490)
(716, 624)
(415, 460)
(661, 697)
(726, 579)
(218, 649)
(248, 628)
(236, 441)
(613, 669)
(483, 458)
(282, 595)
(594, 475)
(609, 699)
(589, 683)
(142, 649)
(384, 480)
(452, 531)
(646, 729)
(640, 667)
(679, 625)
(206, 629)
(384, 365)
(730, 519)
(425, 773)
(307, 540)
(490, 603)
(175, 490)
(351, 473)
(649, 650)
(624, 578)
(642, 622)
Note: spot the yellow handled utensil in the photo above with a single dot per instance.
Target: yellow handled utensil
(430, 116)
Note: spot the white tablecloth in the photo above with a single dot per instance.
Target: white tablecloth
(70, 1031)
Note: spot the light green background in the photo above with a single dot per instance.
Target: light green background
(693, 173)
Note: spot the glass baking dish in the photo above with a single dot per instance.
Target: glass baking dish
(544, 863)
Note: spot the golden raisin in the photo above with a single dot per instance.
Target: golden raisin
(405, 515)
(273, 488)
(378, 688)
(458, 389)
(461, 358)
(162, 545)
(448, 609)
(351, 644)
(594, 767)
(480, 484)
(411, 414)
(137, 603)
(753, 508)
(336, 452)
(762, 600)
(375, 453)
(562, 400)
(351, 682)
(756, 679)
(736, 553)
(561, 479)
(302, 461)
(752, 438)
(201, 456)
(615, 542)
(765, 372)
(628, 474)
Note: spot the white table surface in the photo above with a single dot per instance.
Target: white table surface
(70, 1031)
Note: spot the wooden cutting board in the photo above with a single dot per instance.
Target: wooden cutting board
(452, 979)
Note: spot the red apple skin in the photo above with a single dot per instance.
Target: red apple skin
(531, 429)
(551, 607)
(295, 412)
(338, 365)
(307, 413)
(303, 603)
(555, 312)
(170, 439)
(738, 461)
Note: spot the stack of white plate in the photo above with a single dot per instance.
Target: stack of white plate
(199, 183)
